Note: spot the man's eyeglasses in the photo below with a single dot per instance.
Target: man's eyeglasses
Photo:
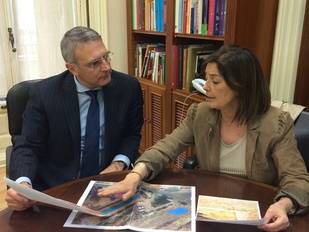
(98, 62)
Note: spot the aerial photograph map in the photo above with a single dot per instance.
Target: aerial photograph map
(153, 208)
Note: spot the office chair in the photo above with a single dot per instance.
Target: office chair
(16, 101)
(301, 130)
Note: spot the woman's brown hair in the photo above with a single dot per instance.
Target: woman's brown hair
(242, 72)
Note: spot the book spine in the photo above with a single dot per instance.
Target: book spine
(175, 67)
(222, 17)
(188, 28)
(163, 67)
(142, 13)
(161, 13)
(185, 16)
(138, 14)
(217, 17)
(153, 16)
(192, 20)
(180, 66)
(205, 17)
(156, 15)
(184, 70)
(134, 24)
(177, 16)
(211, 17)
(164, 15)
(199, 17)
(180, 18)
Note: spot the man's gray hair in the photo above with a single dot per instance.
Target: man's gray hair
(73, 38)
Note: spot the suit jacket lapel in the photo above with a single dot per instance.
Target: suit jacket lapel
(213, 134)
(252, 135)
(111, 107)
(71, 110)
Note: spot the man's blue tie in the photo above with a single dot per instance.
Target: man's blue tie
(90, 162)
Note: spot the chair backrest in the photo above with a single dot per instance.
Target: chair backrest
(16, 101)
(301, 129)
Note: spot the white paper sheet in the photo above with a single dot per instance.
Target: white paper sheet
(35, 195)
(228, 210)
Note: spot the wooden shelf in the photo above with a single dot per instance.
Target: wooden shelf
(201, 37)
(149, 33)
(151, 83)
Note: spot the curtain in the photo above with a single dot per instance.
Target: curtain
(286, 49)
(5, 71)
(39, 27)
(98, 18)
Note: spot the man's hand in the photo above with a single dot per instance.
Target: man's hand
(276, 216)
(17, 202)
(127, 187)
(114, 167)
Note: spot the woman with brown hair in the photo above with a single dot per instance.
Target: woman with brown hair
(235, 131)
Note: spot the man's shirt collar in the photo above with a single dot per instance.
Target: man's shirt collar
(81, 88)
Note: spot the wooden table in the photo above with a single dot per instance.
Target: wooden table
(52, 219)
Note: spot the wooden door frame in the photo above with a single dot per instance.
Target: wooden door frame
(301, 95)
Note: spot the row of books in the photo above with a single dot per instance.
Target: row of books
(188, 64)
(203, 17)
(149, 15)
(188, 60)
(150, 62)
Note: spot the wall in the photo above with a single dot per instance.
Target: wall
(117, 34)
(109, 19)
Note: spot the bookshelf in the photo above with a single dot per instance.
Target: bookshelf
(249, 24)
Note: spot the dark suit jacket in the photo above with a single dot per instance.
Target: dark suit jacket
(48, 150)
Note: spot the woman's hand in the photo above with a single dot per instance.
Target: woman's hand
(276, 216)
(17, 202)
(127, 187)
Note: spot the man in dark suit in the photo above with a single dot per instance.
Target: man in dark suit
(82, 122)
